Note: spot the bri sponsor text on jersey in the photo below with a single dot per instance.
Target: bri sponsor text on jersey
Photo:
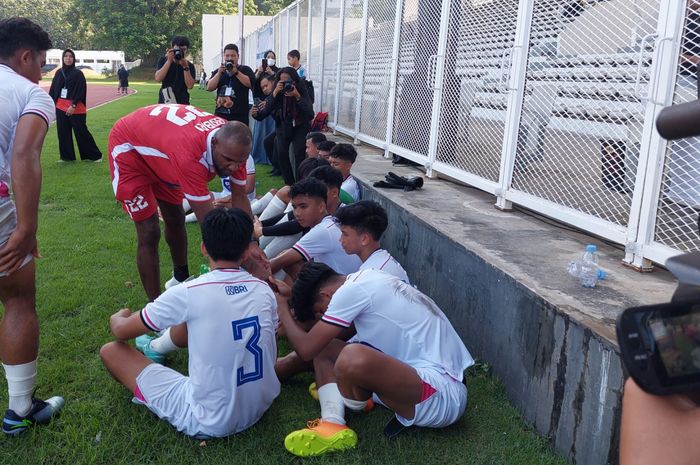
(233, 290)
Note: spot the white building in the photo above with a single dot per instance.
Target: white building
(214, 26)
(97, 60)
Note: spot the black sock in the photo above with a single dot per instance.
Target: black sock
(181, 273)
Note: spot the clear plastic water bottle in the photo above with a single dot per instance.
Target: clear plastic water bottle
(589, 267)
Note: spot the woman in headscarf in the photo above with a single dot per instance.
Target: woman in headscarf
(69, 91)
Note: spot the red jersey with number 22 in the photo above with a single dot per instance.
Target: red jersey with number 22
(174, 141)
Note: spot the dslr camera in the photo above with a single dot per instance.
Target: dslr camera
(660, 344)
(178, 55)
(228, 65)
(288, 85)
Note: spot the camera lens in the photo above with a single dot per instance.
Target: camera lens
(288, 86)
(178, 54)
(229, 65)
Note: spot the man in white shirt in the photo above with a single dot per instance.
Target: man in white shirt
(321, 243)
(408, 356)
(232, 350)
(27, 112)
(361, 227)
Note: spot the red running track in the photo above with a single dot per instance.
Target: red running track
(97, 94)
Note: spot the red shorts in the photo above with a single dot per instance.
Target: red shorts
(134, 182)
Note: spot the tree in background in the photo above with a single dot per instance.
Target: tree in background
(53, 16)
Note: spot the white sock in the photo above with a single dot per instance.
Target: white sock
(332, 406)
(186, 205)
(190, 218)
(275, 207)
(21, 380)
(356, 405)
(259, 205)
(164, 344)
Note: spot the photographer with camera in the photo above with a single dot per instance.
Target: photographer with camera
(232, 83)
(175, 73)
(292, 109)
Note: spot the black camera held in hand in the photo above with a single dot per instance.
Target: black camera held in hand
(177, 54)
(229, 65)
(288, 86)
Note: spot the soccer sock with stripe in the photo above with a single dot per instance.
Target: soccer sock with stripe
(163, 344)
(356, 405)
(275, 207)
(21, 380)
(332, 406)
(259, 205)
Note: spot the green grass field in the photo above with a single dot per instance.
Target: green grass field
(89, 271)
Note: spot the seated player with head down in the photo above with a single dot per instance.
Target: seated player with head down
(232, 350)
(321, 244)
(408, 356)
(342, 157)
(361, 227)
(324, 149)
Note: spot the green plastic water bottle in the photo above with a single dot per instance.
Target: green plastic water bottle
(203, 269)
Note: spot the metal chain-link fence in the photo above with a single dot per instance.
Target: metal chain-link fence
(475, 91)
(679, 200)
(549, 99)
(582, 118)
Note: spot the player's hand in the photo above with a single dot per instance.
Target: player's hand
(256, 262)
(223, 202)
(122, 313)
(15, 250)
(257, 228)
(281, 288)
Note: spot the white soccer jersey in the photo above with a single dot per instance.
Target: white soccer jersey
(383, 261)
(351, 187)
(399, 320)
(18, 97)
(322, 244)
(231, 320)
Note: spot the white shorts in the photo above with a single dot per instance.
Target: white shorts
(166, 392)
(441, 408)
(8, 224)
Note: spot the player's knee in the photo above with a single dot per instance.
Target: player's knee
(148, 234)
(108, 351)
(351, 361)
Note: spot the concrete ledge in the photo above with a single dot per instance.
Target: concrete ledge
(501, 279)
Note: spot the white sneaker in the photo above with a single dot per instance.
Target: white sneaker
(174, 282)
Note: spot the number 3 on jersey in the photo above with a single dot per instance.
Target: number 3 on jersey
(253, 324)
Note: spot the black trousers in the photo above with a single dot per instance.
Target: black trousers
(65, 127)
(269, 144)
(242, 118)
(296, 136)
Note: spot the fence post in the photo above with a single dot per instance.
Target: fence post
(361, 69)
(650, 170)
(438, 84)
(339, 64)
(298, 37)
(398, 18)
(309, 18)
(516, 89)
(323, 51)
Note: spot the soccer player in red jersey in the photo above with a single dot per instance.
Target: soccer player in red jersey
(161, 154)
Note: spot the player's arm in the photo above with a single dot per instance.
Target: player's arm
(201, 209)
(287, 258)
(26, 182)
(239, 198)
(126, 325)
(307, 345)
(189, 74)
